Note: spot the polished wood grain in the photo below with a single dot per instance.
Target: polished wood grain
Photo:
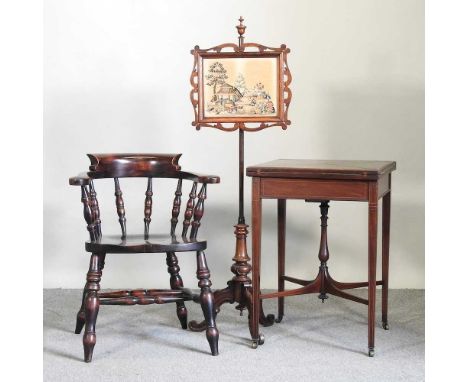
(281, 255)
(386, 207)
(314, 189)
(322, 169)
(319, 182)
(150, 166)
(148, 206)
(154, 243)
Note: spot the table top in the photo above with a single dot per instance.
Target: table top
(322, 169)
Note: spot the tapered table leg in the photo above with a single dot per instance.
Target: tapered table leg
(372, 253)
(281, 254)
(256, 251)
(385, 255)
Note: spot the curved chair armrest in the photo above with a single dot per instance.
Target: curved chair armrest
(82, 179)
(200, 178)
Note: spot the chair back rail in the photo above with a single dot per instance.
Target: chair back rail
(150, 166)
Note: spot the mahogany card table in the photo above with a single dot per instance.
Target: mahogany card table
(322, 181)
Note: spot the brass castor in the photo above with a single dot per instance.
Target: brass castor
(259, 341)
(385, 325)
(371, 352)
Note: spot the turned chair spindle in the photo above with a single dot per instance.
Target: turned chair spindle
(87, 212)
(199, 210)
(119, 203)
(148, 206)
(189, 209)
(148, 166)
(95, 209)
(176, 207)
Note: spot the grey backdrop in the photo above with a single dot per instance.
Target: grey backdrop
(117, 80)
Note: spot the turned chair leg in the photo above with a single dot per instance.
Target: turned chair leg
(91, 304)
(207, 302)
(80, 316)
(177, 283)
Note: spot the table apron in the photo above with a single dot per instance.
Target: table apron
(318, 189)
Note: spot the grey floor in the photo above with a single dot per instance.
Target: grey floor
(315, 342)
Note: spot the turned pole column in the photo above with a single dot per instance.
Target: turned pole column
(241, 267)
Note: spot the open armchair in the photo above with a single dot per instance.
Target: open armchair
(149, 166)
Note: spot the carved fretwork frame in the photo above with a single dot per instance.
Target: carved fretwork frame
(241, 50)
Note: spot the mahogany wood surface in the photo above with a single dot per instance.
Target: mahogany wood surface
(152, 167)
(322, 181)
(322, 169)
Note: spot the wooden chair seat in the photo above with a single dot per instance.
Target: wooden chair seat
(156, 243)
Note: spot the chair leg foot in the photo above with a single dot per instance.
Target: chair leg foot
(182, 314)
(80, 321)
(212, 335)
(89, 336)
(385, 325)
(371, 352)
(207, 302)
(89, 340)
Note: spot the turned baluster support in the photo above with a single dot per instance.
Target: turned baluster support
(148, 206)
(119, 203)
(176, 207)
(189, 209)
(324, 255)
(95, 210)
(88, 212)
(198, 212)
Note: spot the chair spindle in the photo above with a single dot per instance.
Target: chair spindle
(95, 210)
(148, 206)
(87, 212)
(189, 209)
(176, 207)
(120, 208)
(199, 210)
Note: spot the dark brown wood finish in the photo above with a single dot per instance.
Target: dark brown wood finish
(176, 207)
(151, 166)
(281, 255)
(189, 209)
(322, 181)
(386, 206)
(119, 203)
(148, 206)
